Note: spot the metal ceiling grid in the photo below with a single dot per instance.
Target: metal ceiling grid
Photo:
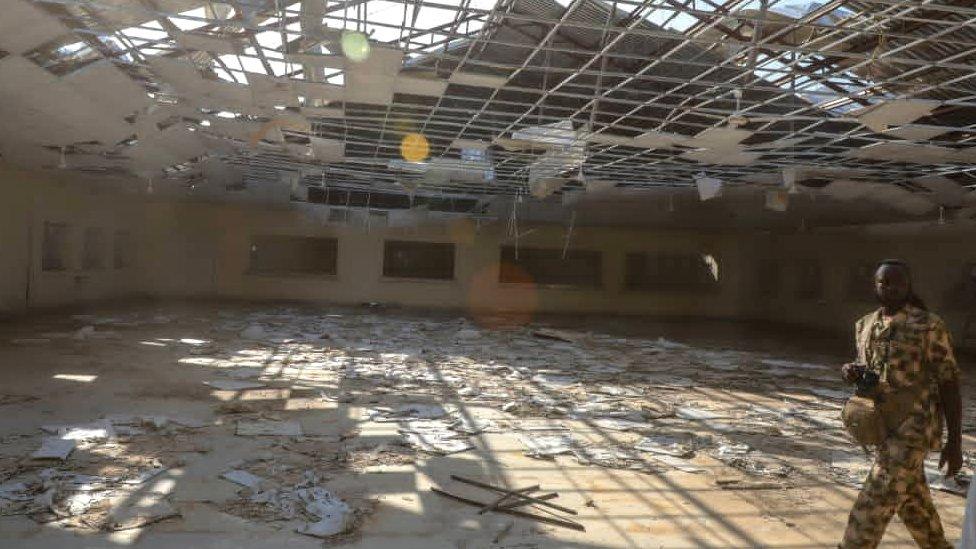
(795, 77)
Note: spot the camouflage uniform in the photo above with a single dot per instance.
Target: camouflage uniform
(913, 347)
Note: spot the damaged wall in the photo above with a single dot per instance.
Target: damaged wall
(194, 249)
(217, 263)
(30, 200)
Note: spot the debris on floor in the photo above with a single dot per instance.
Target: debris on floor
(54, 448)
(295, 496)
(233, 385)
(385, 392)
(547, 446)
(255, 428)
(243, 478)
(558, 335)
(513, 501)
(334, 516)
(434, 436)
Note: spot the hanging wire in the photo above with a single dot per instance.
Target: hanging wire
(569, 233)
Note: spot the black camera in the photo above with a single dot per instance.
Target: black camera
(867, 382)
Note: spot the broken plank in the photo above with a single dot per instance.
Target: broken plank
(494, 505)
(503, 490)
(553, 521)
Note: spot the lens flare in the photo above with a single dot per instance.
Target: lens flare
(414, 147)
(355, 46)
(502, 297)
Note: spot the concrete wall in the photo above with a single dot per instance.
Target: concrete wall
(30, 200)
(15, 209)
(938, 255)
(203, 250)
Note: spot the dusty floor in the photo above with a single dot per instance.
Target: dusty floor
(661, 435)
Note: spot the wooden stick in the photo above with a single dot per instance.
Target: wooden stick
(504, 497)
(555, 522)
(520, 496)
(522, 502)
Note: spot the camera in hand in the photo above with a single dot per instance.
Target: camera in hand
(867, 382)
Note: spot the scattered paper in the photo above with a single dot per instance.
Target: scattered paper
(547, 446)
(54, 448)
(95, 431)
(142, 511)
(666, 445)
(334, 515)
(697, 414)
(243, 478)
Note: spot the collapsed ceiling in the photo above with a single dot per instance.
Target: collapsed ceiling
(472, 98)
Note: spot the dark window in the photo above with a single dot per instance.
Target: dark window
(809, 280)
(548, 266)
(338, 216)
(93, 249)
(671, 272)
(768, 279)
(122, 250)
(273, 254)
(54, 249)
(860, 282)
(418, 260)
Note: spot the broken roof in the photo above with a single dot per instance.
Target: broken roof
(154, 88)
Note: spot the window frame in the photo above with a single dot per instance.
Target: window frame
(253, 247)
(798, 292)
(98, 247)
(387, 276)
(599, 284)
(128, 247)
(860, 291)
(64, 255)
(688, 287)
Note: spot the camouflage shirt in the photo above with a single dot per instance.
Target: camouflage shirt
(911, 350)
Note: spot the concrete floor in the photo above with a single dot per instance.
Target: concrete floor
(139, 365)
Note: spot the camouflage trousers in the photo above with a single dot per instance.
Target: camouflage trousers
(896, 484)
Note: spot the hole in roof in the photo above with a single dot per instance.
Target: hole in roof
(269, 39)
(63, 55)
(223, 74)
(671, 18)
(190, 20)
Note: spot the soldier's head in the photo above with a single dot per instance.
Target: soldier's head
(893, 284)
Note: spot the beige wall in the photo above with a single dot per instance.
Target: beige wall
(937, 254)
(15, 208)
(216, 264)
(31, 199)
(202, 250)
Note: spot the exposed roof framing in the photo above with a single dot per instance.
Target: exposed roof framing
(651, 93)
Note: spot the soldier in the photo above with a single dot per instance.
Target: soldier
(909, 351)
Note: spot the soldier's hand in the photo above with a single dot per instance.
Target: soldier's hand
(852, 372)
(951, 458)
